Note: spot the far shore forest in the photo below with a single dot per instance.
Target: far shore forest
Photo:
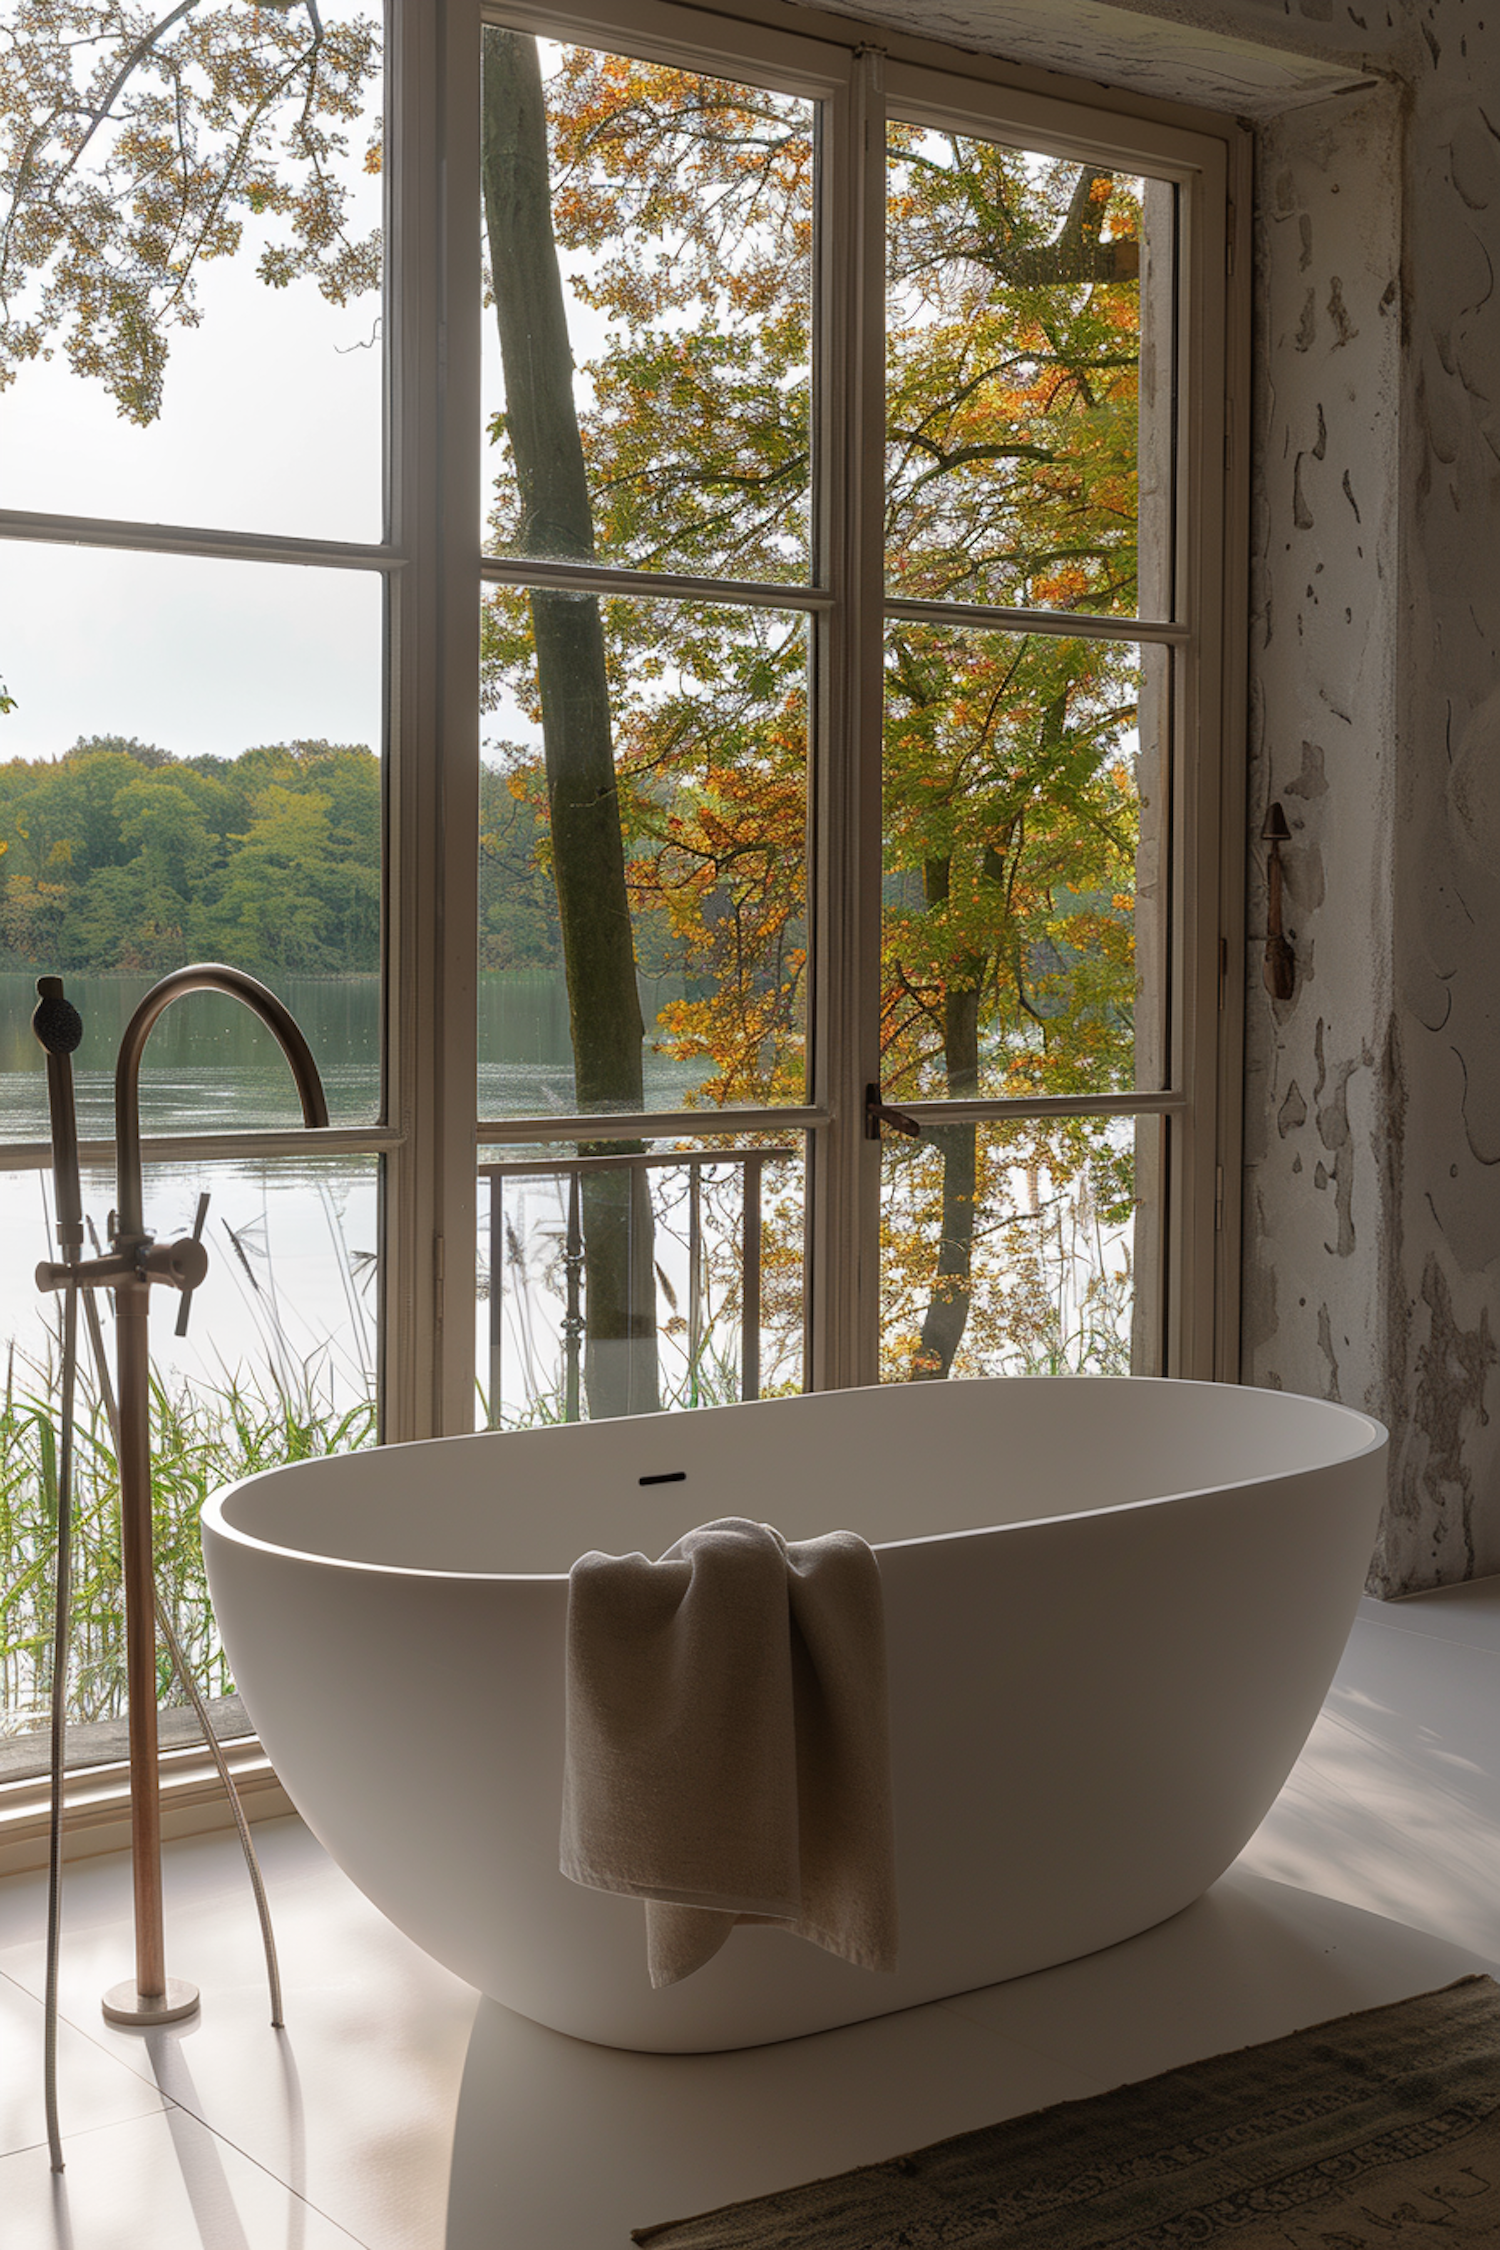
(121, 857)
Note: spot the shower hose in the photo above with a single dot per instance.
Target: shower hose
(59, 1028)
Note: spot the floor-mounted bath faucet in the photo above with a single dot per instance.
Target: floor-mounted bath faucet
(133, 1262)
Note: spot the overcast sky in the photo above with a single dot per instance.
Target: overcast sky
(272, 422)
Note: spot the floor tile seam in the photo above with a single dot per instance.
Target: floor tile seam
(145, 2076)
(1412, 1764)
(216, 2133)
(1403, 1616)
(1486, 1651)
(33, 1997)
(197, 2112)
(1420, 1760)
(75, 2133)
(1482, 1644)
(119, 2124)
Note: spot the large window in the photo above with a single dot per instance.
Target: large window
(853, 443)
(664, 581)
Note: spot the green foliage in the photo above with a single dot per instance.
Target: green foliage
(203, 1436)
(119, 856)
(1013, 782)
(137, 146)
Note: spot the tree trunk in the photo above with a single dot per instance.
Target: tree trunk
(604, 1009)
(948, 1307)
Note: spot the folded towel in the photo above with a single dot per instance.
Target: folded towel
(728, 1752)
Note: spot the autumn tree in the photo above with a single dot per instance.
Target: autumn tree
(665, 814)
(137, 144)
(682, 206)
(586, 842)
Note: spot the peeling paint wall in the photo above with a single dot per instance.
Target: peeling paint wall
(1444, 1519)
(1372, 1188)
(1323, 725)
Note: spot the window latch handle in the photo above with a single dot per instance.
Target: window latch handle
(878, 1113)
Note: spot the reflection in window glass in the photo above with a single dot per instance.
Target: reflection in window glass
(648, 238)
(192, 287)
(278, 1363)
(1024, 891)
(695, 1249)
(1028, 395)
(1013, 1249)
(643, 815)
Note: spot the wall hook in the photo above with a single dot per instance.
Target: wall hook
(1281, 963)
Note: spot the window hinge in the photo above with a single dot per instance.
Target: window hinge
(438, 1278)
(1223, 972)
(1229, 238)
(1218, 1199)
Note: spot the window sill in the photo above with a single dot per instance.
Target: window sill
(96, 1803)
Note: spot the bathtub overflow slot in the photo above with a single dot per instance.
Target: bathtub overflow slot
(668, 1476)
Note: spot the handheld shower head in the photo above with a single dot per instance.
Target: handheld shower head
(55, 1020)
(59, 1027)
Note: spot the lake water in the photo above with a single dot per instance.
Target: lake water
(292, 1243)
(211, 1066)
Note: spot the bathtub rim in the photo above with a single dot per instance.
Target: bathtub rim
(212, 1513)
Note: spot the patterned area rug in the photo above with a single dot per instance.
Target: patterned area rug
(1379, 2131)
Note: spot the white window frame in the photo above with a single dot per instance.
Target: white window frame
(855, 70)
(427, 1131)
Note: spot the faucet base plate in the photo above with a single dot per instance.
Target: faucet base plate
(123, 2003)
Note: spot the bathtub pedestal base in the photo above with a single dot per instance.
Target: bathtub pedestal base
(125, 2003)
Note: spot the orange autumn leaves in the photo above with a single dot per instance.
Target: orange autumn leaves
(684, 213)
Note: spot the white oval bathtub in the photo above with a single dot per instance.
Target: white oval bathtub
(1113, 1609)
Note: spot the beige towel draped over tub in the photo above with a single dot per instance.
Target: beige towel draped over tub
(728, 1752)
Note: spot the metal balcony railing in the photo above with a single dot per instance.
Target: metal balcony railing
(750, 1162)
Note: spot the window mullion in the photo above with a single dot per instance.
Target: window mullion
(845, 1172)
(432, 811)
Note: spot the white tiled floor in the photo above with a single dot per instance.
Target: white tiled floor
(399, 2112)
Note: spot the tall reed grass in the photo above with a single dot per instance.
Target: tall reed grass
(203, 1435)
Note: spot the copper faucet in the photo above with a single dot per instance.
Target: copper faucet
(134, 1261)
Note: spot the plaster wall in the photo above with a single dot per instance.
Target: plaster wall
(1322, 734)
(1372, 1190)
(1372, 1177)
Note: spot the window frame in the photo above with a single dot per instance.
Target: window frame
(427, 1130)
(1207, 157)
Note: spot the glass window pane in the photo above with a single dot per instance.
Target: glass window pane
(1024, 886)
(278, 1362)
(193, 773)
(1021, 1249)
(648, 292)
(652, 1276)
(643, 815)
(210, 1065)
(193, 296)
(1028, 378)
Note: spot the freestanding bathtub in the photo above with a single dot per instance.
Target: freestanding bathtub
(1113, 1609)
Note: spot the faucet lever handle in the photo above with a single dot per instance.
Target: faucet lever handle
(194, 1241)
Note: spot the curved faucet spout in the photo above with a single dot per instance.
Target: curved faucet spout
(202, 976)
